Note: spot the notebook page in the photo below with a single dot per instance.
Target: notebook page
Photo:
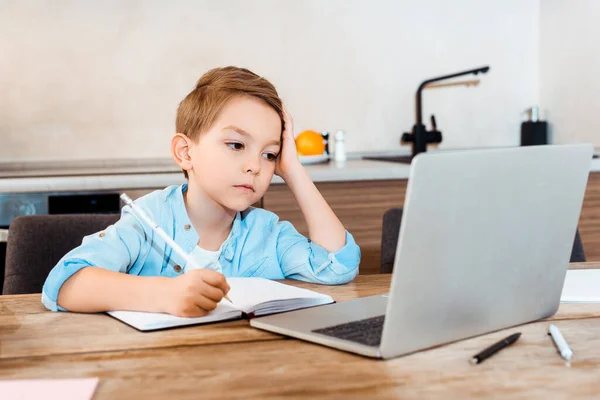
(145, 321)
(247, 293)
(581, 285)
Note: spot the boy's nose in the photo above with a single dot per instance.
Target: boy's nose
(252, 165)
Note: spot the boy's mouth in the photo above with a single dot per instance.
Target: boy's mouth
(245, 187)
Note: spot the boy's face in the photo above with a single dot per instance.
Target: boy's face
(234, 161)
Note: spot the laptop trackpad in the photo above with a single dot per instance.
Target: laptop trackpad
(309, 319)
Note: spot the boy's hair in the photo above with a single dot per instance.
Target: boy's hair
(198, 111)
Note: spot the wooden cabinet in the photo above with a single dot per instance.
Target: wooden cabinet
(360, 206)
(589, 222)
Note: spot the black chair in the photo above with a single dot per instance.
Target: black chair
(37, 242)
(391, 230)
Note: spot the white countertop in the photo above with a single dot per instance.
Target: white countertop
(113, 178)
(351, 170)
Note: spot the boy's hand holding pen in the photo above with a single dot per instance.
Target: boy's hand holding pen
(195, 293)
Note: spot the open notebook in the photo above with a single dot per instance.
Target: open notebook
(581, 286)
(250, 296)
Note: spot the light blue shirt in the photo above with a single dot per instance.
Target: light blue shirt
(258, 245)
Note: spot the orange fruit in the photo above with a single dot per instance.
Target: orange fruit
(310, 143)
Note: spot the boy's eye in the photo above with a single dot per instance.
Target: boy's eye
(270, 156)
(236, 145)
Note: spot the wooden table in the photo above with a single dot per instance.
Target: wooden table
(233, 360)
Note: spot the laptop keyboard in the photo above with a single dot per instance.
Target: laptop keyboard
(365, 331)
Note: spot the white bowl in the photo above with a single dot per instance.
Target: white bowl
(307, 160)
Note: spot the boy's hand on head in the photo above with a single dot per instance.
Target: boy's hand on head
(288, 159)
(195, 294)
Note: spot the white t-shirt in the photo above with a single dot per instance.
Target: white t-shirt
(206, 259)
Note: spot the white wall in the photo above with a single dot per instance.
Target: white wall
(570, 69)
(102, 79)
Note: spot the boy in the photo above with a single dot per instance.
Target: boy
(233, 134)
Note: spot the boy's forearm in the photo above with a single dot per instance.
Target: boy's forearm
(93, 289)
(324, 228)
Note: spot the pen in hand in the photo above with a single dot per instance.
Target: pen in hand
(227, 298)
(140, 213)
(493, 349)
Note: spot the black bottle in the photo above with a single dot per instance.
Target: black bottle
(533, 131)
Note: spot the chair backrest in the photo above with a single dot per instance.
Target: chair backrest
(391, 230)
(37, 242)
(389, 238)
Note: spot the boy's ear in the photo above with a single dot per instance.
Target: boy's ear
(180, 150)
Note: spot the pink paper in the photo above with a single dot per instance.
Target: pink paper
(48, 389)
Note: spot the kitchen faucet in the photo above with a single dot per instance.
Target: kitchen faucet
(420, 136)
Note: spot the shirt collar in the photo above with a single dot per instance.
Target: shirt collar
(190, 236)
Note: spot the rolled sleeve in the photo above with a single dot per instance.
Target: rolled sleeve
(305, 260)
(116, 248)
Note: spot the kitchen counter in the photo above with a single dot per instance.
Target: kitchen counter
(116, 179)
(113, 175)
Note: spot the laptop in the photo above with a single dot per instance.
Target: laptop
(484, 245)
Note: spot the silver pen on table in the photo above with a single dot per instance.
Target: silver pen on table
(561, 344)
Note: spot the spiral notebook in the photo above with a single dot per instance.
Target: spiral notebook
(251, 297)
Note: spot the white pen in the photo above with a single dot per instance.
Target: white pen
(140, 213)
(561, 344)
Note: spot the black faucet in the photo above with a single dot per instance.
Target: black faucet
(420, 136)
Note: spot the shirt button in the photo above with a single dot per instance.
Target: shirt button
(187, 227)
(101, 234)
(177, 268)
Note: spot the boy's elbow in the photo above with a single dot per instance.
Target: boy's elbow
(48, 302)
(50, 290)
(346, 262)
(351, 272)
(336, 272)
(57, 292)
(348, 277)
(348, 257)
(52, 304)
